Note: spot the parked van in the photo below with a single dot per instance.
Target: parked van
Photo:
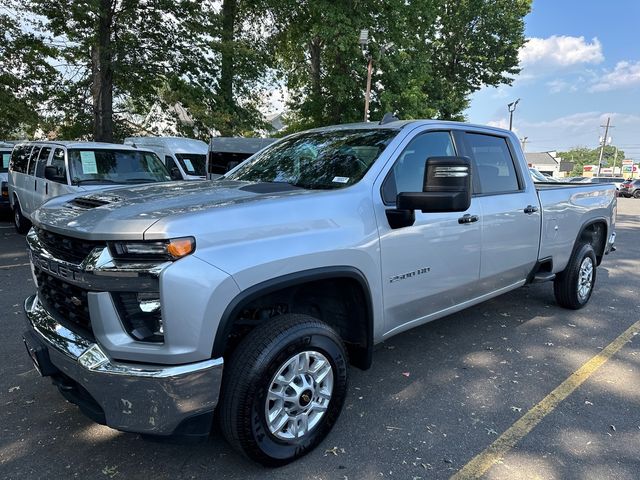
(184, 157)
(226, 153)
(5, 155)
(39, 171)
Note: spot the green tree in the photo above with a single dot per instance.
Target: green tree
(443, 50)
(582, 156)
(26, 78)
(113, 56)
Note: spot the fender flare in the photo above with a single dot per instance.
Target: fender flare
(274, 284)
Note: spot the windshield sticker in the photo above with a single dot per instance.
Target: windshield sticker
(340, 180)
(5, 160)
(89, 165)
(189, 165)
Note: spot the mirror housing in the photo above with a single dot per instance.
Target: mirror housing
(175, 174)
(446, 187)
(51, 173)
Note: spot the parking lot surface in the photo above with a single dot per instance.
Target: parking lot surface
(436, 398)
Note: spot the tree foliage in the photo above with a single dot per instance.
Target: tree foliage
(26, 78)
(582, 156)
(103, 68)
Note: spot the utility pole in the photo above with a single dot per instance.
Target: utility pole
(604, 143)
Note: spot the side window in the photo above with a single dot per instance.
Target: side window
(407, 174)
(42, 161)
(20, 158)
(57, 160)
(32, 160)
(494, 163)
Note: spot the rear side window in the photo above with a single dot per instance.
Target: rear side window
(33, 159)
(495, 167)
(57, 160)
(20, 158)
(42, 161)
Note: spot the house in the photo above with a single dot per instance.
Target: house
(549, 163)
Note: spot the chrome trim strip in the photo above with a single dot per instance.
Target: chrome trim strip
(99, 271)
(91, 356)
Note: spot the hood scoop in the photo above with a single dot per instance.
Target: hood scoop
(87, 203)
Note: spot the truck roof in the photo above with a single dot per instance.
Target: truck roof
(399, 124)
(177, 144)
(239, 144)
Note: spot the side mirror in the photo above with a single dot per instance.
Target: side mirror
(446, 188)
(51, 173)
(175, 174)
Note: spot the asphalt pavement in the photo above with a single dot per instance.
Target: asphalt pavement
(436, 397)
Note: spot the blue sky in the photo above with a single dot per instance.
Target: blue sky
(581, 65)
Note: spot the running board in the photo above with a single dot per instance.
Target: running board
(543, 277)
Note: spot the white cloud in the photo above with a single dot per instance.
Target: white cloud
(558, 85)
(625, 74)
(560, 52)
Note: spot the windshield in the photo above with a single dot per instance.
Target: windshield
(5, 161)
(318, 160)
(193, 163)
(116, 166)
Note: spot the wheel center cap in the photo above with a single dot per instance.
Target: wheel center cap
(305, 398)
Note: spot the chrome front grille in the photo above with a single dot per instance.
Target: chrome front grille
(69, 249)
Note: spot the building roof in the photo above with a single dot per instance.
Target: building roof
(541, 158)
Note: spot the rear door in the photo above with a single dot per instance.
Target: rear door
(434, 264)
(510, 212)
(41, 188)
(29, 185)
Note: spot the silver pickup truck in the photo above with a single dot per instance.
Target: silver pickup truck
(253, 294)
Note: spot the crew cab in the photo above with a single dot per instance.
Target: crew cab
(252, 294)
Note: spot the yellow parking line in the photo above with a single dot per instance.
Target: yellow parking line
(505, 442)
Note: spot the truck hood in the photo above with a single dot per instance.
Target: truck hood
(126, 213)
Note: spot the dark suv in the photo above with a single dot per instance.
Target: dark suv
(630, 188)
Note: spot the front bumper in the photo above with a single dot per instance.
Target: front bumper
(148, 399)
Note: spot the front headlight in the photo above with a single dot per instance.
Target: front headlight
(172, 249)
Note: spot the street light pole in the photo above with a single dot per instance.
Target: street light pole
(367, 95)
(512, 108)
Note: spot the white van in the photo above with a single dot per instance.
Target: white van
(185, 156)
(5, 155)
(39, 171)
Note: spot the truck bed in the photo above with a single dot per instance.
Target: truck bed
(566, 208)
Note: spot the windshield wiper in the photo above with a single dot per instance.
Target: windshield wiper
(77, 181)
(141, 180)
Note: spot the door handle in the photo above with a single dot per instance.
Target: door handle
(466, 218)
(530, 209)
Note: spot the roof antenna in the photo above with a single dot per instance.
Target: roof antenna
(388, 118)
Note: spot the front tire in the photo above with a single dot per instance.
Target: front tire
(636, 194)
(284, 389)
(573, 286)
(20, 222)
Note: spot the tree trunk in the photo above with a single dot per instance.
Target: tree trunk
(102, 75)
(315, 51)
(229, 14)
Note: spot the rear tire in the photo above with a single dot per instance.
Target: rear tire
(21, 223)
(636, 194)
(573, 286)
(284, 389)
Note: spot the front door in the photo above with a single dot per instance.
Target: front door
(434, 264)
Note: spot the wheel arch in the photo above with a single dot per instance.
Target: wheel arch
(357, 335)
(595, 232)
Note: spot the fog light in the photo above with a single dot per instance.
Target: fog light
(141, 315)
